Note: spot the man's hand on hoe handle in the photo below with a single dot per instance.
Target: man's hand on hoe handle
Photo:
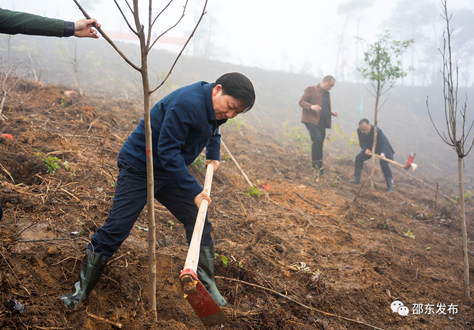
(213, 162)
(368, 152)
(203, 195)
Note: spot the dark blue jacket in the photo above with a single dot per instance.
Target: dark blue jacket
(367, 141)
(182, 124)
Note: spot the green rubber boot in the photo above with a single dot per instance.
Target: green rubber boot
(389, 184)
(91, 269)
(356, 178)
(205, 273)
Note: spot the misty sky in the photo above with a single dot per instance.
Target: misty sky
(299, 36)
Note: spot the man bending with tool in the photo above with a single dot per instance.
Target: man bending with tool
(183, 124)
(382, 148)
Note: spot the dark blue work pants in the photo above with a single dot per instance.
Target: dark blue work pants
(362, 157)
(129, 200)
(318, 134)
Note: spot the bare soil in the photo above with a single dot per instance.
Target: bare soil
(328, 262)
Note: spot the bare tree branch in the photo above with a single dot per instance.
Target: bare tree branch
(192, 34)
(5, 90)
(106, 37)
(451, 101)
(386, 90)
(161, 12)
(150, 10)
(136, 16)
(129, 7)
(125, 18)
(370, 92)
(380, 108)
(436, 128)
(184, 10)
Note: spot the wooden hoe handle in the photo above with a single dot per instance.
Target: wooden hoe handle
(192, 259)
(390, 161)
(412, 165)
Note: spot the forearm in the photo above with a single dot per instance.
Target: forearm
(304, 100)
(12, 22)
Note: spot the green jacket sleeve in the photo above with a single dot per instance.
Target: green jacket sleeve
(12, 22)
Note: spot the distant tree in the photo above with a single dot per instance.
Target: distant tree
(144, 34)
(203, 44)
(383, 69)
(73, 59)
(458, 134)
(462, 40)
(349, 10)
(9, 78)
(414, 20)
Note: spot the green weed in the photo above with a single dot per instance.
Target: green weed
(298, 135)
(224, 259)
(252, 191)
(237, 123)
(409, 233)
(52, 164)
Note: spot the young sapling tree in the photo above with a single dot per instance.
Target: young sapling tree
(144, 35)
(383, 69)
(457, 136)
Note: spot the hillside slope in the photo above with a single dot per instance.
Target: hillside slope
(315, 258)
(404, 117)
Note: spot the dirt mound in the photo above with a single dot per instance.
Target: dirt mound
(293, 253)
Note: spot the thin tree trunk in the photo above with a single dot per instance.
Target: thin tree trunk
(377, 97)
(2, 104)
(464, 233)
(375, 143)
(32, 64)
(149, 162)
(341, 44)
(75, 65)
(357, 50)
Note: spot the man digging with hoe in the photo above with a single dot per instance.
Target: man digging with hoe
(183, 124)
(382, 148)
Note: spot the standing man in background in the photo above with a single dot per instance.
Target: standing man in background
(317, 114)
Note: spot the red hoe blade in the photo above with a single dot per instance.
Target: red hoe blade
(410, 161)
(200, 300)
(195, 293)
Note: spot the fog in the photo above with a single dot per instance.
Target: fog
(302, 36)
(283, 48)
